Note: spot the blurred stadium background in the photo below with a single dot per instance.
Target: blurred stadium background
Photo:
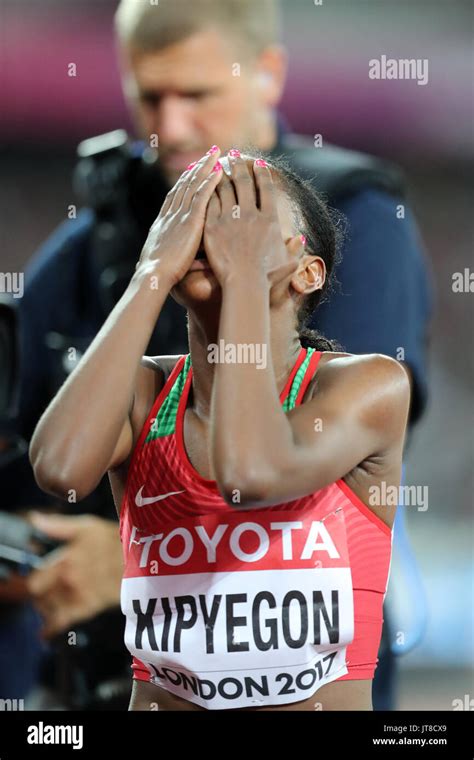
(427, 129)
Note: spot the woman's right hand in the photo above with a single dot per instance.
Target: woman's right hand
(67, 457)
(175, 235)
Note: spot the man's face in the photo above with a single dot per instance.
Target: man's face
(188, 94)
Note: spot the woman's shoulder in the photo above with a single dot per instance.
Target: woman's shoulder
(340, 360)
(373, 374)
(371, 389)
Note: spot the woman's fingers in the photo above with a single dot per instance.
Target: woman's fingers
(174, 197)
(205, 169)
(226, 193)
(179, 190)
(266, 187)
(214, 209)
(241, 189)
(201, 196)
(243, 182)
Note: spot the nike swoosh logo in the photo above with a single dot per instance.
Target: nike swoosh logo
(142, 501)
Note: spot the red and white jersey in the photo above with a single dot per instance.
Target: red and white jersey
(230, 608)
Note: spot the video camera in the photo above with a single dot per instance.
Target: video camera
(121, 182)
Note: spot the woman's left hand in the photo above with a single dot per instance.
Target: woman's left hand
(243, 240)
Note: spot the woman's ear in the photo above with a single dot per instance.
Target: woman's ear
(311, 272)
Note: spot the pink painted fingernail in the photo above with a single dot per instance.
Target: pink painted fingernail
(217, 167)
(234, 152)
(212, 150)
(191, 165)
(260, 162)
(303, 239)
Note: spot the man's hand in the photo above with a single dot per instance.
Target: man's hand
(82, 578)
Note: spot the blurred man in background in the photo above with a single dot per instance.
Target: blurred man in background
(194, 74)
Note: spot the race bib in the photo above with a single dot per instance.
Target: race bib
(241, 609)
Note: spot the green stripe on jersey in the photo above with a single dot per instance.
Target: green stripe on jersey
(165, 421)
(290, 401)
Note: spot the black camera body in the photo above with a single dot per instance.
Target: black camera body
(122, 183)
(8, 355)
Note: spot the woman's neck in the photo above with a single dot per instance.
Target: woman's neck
(283, 351)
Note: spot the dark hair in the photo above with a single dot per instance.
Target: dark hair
(324, 229)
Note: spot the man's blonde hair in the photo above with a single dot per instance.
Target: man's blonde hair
(147, 26)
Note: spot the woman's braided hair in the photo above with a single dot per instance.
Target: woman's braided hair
(324, 230)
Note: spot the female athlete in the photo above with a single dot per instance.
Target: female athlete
(248, 474)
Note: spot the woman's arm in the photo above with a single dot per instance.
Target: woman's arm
(261, 452)
(86, 429)
(270, 456)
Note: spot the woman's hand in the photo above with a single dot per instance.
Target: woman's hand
(176, 233)
(243, 239)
